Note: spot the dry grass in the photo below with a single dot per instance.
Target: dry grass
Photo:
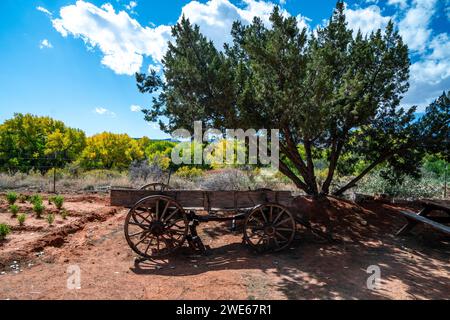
(102, 180)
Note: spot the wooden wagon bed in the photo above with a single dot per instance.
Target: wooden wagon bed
(206, 200)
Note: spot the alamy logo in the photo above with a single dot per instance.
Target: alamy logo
(235, 147)
(74, 277)
(374, 280)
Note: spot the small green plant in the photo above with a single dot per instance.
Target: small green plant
(14, 208)
(36, 199)
(23, 198)
(12, 197)
(58, 201)
(4, 231)
(64, 214)
(38, 208)
(21, 219)
(50, 218)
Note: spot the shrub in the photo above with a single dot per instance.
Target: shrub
(12, 197)
(50, 218)
(21, 219)
(64, 214)
(58, 201)
(4, 231)
(228, 179)
(189, 172)
(23, 198)
(14, 208)
(38, 208)
(36, 199)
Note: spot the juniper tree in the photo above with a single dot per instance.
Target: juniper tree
(329, 92)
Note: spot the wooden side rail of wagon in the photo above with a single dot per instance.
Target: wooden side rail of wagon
(437, 223)
(160, 221)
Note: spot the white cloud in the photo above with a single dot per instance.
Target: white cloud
(44, 10)
(124, 42)
(104, 112)
(45, 44)
(414, 27)
(121, 39)
(431, 74)
(131, 5)
(156, 67)
(366, 19)
(402, 4)
(135, 108)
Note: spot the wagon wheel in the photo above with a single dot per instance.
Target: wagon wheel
(156, 226)
(156, 187)
(269, 227)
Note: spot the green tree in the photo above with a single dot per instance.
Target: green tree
(110, 151)
(30, 142)
(328, 92)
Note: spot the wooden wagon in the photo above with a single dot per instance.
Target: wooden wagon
(160, 220)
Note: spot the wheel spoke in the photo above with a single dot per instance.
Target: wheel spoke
(138, 233)
(263, 214)
(278, 216)
(285, 229)
(170, 216)
(283, 222)
(143, 226)
(279, 234)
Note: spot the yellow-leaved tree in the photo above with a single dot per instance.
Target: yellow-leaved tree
(110, 151)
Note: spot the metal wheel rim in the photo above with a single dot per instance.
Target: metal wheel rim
(269, 227)
(156, 226)
(157, 186)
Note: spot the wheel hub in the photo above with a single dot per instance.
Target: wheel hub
(269, 230)
(157, 228)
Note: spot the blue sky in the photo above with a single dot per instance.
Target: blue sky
(74, 60)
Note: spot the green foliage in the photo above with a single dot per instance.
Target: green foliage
(189, 172)
(110, 151)
(21, 219)
(58, 201)
(12, 197)
(407, 187)
(436, 165)
(332, 92)
(38, 207)
(36, 198)
(50, 218)
(64, 214)
(14, 208)
(4, 231)
(30, 142)
(23, 198)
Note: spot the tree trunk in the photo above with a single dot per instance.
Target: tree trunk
(353, 182)
(335, 154)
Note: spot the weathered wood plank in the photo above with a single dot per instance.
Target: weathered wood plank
(422, 219)
(205, 199)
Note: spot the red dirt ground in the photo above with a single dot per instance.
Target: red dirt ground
(413, 267)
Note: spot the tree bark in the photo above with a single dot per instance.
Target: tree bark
(335, 154)
(291, 175)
